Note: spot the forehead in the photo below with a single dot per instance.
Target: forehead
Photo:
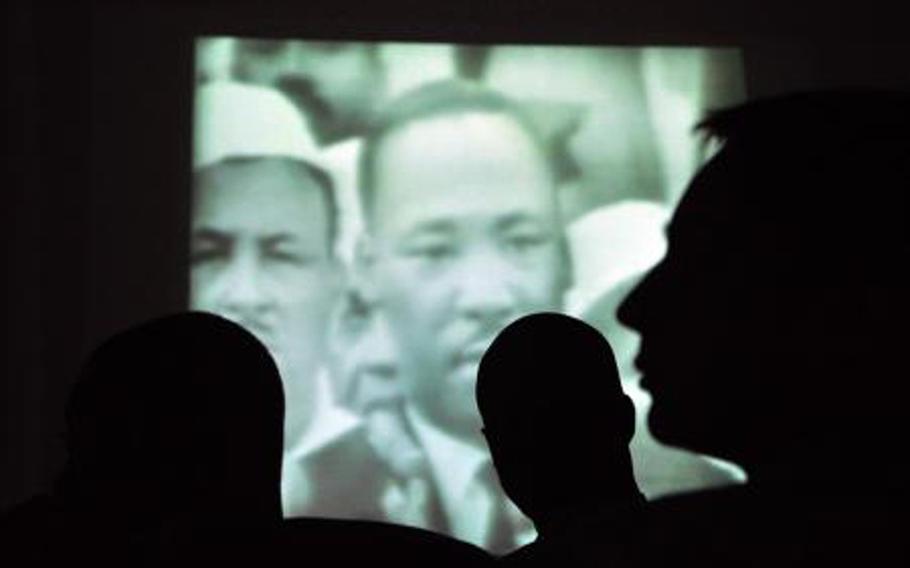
(711, 203)
(471, 163)
(266, 195)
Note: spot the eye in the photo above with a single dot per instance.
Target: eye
(291, 257)
(204, 256)
(521, 241)
(288, 250)
(431, 251)
(207, 251)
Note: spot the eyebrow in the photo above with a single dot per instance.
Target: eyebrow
(214, 235)
(223, 238)
(443, 226)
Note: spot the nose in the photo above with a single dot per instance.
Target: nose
(373, 383)
(378, 350)
(240, 286)
(631, 311)
(487, 288)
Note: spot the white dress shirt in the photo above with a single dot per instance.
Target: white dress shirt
(457, 468)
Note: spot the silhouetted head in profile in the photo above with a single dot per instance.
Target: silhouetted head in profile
(772, 332)
(556, 419)
(178, 421)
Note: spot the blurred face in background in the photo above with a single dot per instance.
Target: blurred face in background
(365, 359)
(271, 271)
(336, 85)
(466, 236)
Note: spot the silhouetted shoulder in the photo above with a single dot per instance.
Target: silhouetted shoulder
(356, 543)
(805, 526)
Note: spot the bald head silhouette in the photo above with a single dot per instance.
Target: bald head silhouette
(555, 417)
(176, 420)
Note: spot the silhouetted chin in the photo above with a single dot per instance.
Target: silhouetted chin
(667, 429)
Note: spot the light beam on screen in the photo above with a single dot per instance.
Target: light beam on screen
(376, 235)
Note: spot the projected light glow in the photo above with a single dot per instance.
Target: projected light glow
(544, 186)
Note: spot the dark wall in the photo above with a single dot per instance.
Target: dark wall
(99, 111)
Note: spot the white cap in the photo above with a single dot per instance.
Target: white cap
(236, 120)
(611, 244)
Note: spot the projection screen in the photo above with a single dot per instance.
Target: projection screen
(376, 212)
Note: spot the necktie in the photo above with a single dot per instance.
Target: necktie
(416, 503)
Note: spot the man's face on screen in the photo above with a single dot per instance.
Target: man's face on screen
(467, 237)
(336, 85)
(261, 256)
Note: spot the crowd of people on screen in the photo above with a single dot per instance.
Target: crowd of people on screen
(407, 388)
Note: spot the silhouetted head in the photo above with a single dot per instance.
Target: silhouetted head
(768, 331)
(177, 420)
(555, 417)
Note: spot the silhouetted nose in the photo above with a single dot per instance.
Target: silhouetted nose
(631, 311)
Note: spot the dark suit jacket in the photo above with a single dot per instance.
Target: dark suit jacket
(348, 480)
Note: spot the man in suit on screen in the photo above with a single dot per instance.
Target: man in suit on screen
(464, 234)
(263, 254)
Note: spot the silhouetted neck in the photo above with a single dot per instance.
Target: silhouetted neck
(564, 522)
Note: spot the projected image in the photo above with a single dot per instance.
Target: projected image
(376, 213)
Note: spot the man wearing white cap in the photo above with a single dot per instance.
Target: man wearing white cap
(263, 240)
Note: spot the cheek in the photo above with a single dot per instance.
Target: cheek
(541, 286)
(310, 300)
(202, 287)
(413, 297)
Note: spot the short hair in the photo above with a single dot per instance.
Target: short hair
(439, 98)
(314, 172)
